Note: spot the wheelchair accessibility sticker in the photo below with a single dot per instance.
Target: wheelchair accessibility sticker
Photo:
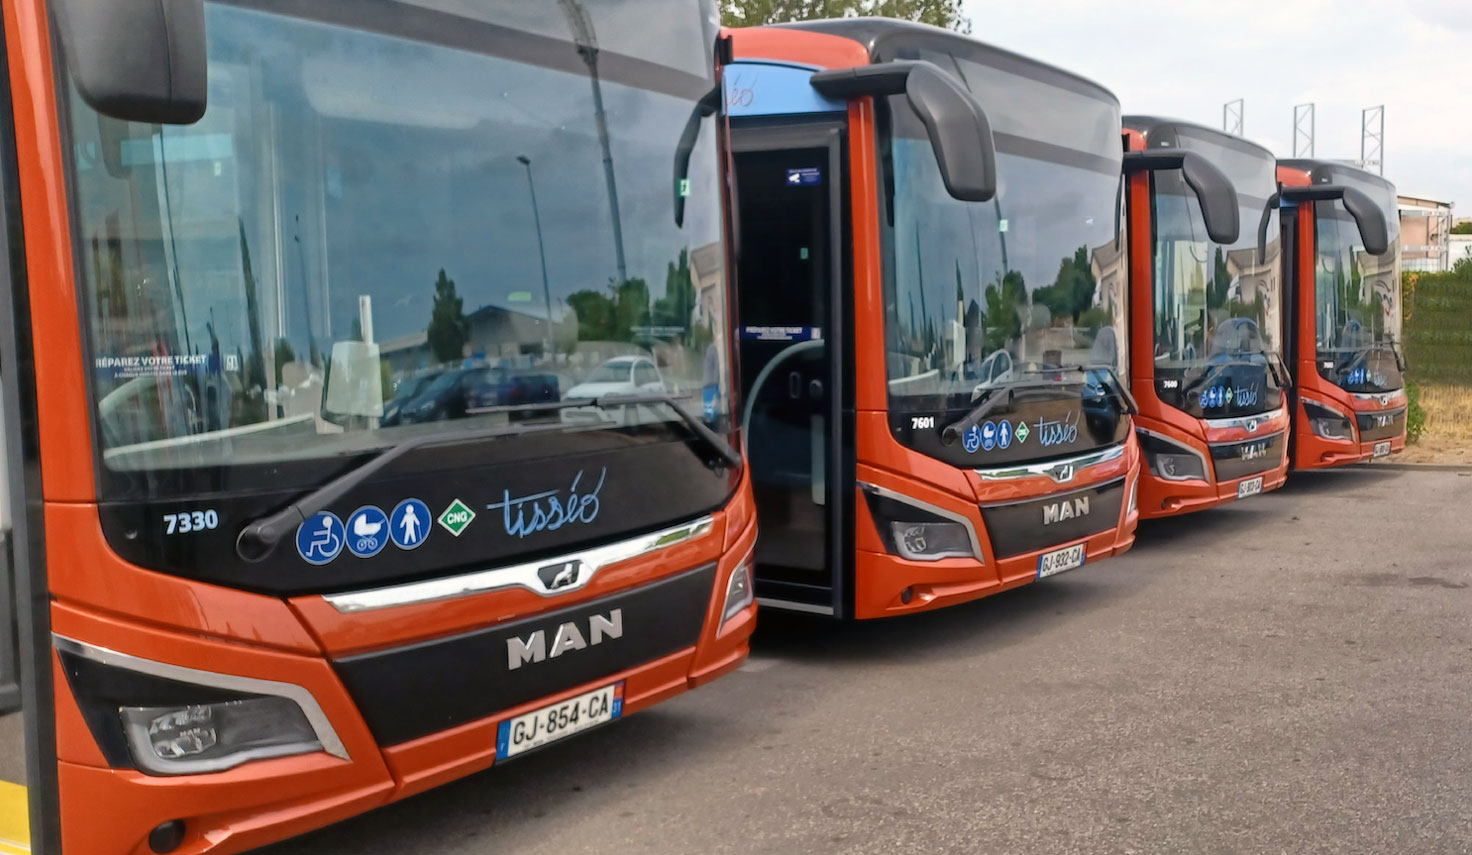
(320, 539)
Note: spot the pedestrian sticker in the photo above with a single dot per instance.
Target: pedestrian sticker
(367, 532)
(320, 538)
(971, 439)
(456, 517)
(408, 525)
(989, 436)
(1004, 434)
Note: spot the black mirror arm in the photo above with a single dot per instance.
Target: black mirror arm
(1213, 189)
(1374, 231)
(1262, 228)
(704, 108)
(959, 130)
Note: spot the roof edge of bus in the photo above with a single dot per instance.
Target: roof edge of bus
(1321, 171)
(773, 43)
(874, 34)
(1146, 124)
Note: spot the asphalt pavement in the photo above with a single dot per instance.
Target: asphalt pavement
(1289, 674)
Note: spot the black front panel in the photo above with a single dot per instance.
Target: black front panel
(408, 692)
(530, 496)
(1033, 428)
(1382, 425)
(1055, 520)
(1233, 460)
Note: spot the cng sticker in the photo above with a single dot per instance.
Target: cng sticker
(456, 517)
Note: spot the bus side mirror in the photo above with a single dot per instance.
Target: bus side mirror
(137, 60)
(1374, 233)
(1213, 189)
(959, 131)
(704, 108)
(1262, 227)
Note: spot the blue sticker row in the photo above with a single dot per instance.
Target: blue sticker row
(993, 435)
(321, 538)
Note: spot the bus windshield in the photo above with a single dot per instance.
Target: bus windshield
(1218, 309)
(979, 295)
(389, 222)
(1357, 297)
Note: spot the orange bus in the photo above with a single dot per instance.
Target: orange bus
(1207, 363)
(932, 316)
(369, 409)
(1342, 330)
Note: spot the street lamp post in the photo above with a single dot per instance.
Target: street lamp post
(541, 249)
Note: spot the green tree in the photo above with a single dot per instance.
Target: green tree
(448, 327)
(1073, 291)
(1462, 228)
(748, 13)
(1221, 279)
(1003, 299)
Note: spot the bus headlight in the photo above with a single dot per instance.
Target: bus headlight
(1171, 460)
(915, 532)
(196, 738)
(740, 590)
(1327, 422)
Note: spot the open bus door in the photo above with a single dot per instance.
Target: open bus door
(791, 187)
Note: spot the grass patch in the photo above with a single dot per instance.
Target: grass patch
(1448, 411)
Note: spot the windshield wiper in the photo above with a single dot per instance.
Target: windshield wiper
(992, 400)
(258, 538)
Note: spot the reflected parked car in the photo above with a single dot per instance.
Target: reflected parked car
(453, 394)
(622, 375)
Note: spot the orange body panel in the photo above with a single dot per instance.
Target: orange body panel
(1160, 497)
(101, 600)
(879, 577)
(1311, 451)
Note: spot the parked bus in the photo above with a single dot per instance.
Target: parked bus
(250, 603)
(932, 316)
(1342, 330)
(1207, 364)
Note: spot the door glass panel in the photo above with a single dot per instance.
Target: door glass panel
(783, 292)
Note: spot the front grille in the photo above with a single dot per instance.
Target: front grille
(408, 692)
(1240, 459)
(1016, 528)
(1382, 424)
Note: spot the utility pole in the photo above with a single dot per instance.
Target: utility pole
(1303, 130)
(587, 42)
(541, 249)
(1232, 117)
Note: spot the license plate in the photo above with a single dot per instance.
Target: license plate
(1382, 449)
(1050, 563)
(1250, 487)
(559, 720)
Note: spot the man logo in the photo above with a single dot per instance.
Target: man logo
(1252, 426)
(1065, 510)
(555, 577)
(568, 637)
(1062, 473)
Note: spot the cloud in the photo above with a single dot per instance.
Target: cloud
(1187, 58)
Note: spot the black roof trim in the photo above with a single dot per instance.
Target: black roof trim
(884, 37)
(1166, 128)
(1327, 171)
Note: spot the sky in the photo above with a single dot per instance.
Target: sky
(1185, 59)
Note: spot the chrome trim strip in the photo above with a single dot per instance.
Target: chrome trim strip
(1241, 421)
(524, 575)
(1398, 396)
(913, 502)
(788, 605)
(1248, 441)
(1028, 470)
(1330, 407)
(1205, 465)
(1104, 485)
(300, 695)
(1370, 414)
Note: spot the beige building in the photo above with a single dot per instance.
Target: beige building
(1425, 234)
